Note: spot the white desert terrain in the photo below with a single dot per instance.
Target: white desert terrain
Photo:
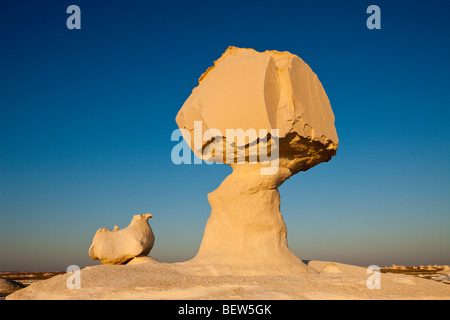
(146, 278)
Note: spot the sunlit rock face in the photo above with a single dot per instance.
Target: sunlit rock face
(118, 246)
(268, 117)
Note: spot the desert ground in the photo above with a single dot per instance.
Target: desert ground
(146, 278)
(13, 281)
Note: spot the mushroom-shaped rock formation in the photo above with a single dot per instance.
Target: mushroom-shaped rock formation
(268, 117)
(118, 246)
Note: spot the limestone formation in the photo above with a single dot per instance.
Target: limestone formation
(118, 246)
(273, 104)
(7, 285)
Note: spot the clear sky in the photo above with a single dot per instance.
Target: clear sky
(86, 118)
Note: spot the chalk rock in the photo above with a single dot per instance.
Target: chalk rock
(269, 101)
(118, 246)
(246, 89)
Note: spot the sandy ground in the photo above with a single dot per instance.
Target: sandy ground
(145, 278)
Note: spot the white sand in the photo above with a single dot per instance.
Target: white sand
(145, 278)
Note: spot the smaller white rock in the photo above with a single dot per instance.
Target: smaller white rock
(331, 268)
(118, 246)
(7, 285)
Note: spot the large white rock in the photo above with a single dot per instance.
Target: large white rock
(118, 246)
(250, 90)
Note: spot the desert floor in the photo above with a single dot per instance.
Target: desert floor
(145, 278)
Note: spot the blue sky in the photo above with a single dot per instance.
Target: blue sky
(86, 118)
